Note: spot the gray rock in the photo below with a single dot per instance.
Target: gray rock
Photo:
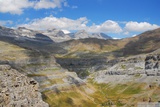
(17, 90)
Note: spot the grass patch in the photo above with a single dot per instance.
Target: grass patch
(137, 75)
(71, 98)
(35, 64)
(134, 89)
(35, 75)
(138, 68)
(105, 95)
(52, 69)
(123, 66)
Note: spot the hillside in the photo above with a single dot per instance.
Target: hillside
(85, 55)
(18, 90)
(86, 72)
(128, 46)
(144, 43)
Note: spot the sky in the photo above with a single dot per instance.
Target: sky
(116, 18)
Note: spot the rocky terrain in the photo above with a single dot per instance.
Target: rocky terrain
(82, 71)
(50, 35)
(17, 90)
(40, 66)
(144, 67)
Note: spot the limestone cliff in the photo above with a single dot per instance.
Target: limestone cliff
(17, 90)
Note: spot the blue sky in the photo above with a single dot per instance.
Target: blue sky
(117, 18)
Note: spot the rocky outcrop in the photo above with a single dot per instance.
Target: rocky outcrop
(46, 36)
(141, 68)
(152, 65)
(152, 62)
(17, 90)
(82, 66)
(23, 34)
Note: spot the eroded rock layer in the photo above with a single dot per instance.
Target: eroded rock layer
(17, 90)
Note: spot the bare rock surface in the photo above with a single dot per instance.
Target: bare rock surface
(18, 90)
(141, 68)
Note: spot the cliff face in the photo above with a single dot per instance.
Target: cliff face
(140, 68)
(17, 90)
(82, 66)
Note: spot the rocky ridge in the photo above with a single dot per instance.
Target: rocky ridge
(143, 67)
(17, 90)
(50, 35)
(106, 61)
(42, 67)
(82, 34)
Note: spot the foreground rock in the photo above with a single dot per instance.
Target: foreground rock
(17, 90)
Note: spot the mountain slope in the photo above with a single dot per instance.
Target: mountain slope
(18, 90)
(104, 51)
(50, 35)
(144, 43)
(23, 34)
(119, 72)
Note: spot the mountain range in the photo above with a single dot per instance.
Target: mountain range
(78, 69)
(50, 35)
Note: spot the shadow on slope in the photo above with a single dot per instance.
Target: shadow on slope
(144, 43)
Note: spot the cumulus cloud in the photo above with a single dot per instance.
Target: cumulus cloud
(134, 35)
(139, 27)
(18, 6)
(116, 38)
(61, 23)
(14, 6)
(49, 4)
(66, 31)
(108, 26)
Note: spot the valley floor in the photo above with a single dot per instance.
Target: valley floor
(93, 94)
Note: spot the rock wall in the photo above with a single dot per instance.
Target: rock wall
(17, 90)
(82, 66)
(152, 65)
(152, 62)
(141, 68)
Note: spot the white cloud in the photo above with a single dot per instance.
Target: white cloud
(61, 23)
(126, 33)
(139, 27)
(14, 6)
(108, 26)
(134, 35)
(3, 23)
(116, 38)
(18, 6)
(66, 31)
(49, 4)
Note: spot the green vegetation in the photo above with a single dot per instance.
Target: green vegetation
(104, 95)
(123, 66)
(132, 90)
(34, 75)
(71, 98)
(83, 73)
(138, 68)
(35, 64)
(137, 75)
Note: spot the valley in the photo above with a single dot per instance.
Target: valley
(83, 72)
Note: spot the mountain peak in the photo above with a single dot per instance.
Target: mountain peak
(19, 28)
(81, 34)
(101, 36)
